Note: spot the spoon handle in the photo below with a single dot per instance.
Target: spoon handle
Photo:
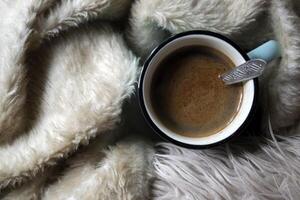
(246, 71)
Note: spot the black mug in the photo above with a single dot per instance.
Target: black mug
(212, 40)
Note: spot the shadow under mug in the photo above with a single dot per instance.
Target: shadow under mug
(267, 52)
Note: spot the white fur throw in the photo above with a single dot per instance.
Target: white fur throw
(65, 70)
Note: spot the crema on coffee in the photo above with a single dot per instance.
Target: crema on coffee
(187, 95)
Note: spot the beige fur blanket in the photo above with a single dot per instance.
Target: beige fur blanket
(68, 66)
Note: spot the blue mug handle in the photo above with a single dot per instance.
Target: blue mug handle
(267, 51)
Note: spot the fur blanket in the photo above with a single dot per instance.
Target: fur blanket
(68, 67)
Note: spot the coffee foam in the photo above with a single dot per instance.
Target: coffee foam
(188, 96)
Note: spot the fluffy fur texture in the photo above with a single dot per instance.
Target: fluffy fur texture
(87, 74)
(68, 14)
(15, 41)
(61, 86)
(31, 190)
(247, 169)
(24, 24)
(81, 97)
(252, 167)
(120, 172)
(284, 86)
(153, 21)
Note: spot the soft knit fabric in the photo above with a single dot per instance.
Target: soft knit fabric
(66, 67)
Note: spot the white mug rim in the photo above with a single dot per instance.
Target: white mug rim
(148, 116)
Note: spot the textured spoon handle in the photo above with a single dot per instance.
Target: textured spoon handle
(248, 70)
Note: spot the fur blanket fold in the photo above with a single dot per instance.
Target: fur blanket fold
(66, 67)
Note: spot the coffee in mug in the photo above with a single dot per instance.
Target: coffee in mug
(188, 96)
(182, 97)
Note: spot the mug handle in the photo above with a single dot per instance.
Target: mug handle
(267, 51)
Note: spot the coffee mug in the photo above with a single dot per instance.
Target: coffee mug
(267, 52)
